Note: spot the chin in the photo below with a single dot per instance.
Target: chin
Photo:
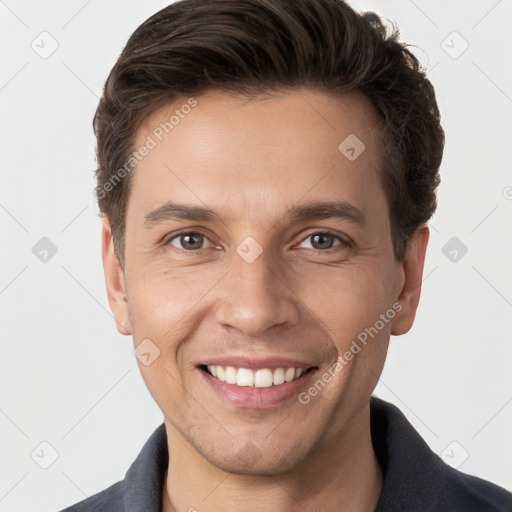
(250, 461)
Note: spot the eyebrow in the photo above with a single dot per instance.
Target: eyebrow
(171, 211)
(328, 210)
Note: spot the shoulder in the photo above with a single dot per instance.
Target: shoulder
(142, 486)
(416, 478)
(108, 500)
(466, 493)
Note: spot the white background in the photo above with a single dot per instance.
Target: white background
(67, 377)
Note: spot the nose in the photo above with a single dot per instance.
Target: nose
(255, 297)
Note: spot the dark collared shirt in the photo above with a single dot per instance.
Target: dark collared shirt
(415, 478)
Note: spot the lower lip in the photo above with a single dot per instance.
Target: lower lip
(257, 398)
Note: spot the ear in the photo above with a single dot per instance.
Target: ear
(114, 280)
(412, 275)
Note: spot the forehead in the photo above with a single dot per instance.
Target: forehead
(232, 153)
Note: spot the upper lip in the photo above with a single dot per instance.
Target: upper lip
(254, 363)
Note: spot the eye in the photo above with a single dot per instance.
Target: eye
(191, 241)
(322, 241)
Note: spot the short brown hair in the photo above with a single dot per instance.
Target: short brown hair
(257, 46)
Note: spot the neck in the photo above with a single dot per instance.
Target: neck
(344, 475)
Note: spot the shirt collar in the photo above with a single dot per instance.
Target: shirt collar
(411, 471)
(144, 481)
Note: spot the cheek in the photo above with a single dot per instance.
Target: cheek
(351, 303)
(166, 307)
(162, 317)
(162, 298)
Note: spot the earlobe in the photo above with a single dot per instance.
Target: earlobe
(114, 280)
(412, 272)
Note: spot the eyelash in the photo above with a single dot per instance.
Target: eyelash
(344, 242)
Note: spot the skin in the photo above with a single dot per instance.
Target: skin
(250, 162)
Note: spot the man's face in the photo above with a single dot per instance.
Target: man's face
(253, 242)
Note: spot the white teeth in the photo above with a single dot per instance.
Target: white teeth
(230, 375)
(289, 374)
(263, 378)
(245, 377)
(278, 376)
(220, 374)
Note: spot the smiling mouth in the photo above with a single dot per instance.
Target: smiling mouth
(261, 378)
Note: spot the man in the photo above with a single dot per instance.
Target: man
(266, 172)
